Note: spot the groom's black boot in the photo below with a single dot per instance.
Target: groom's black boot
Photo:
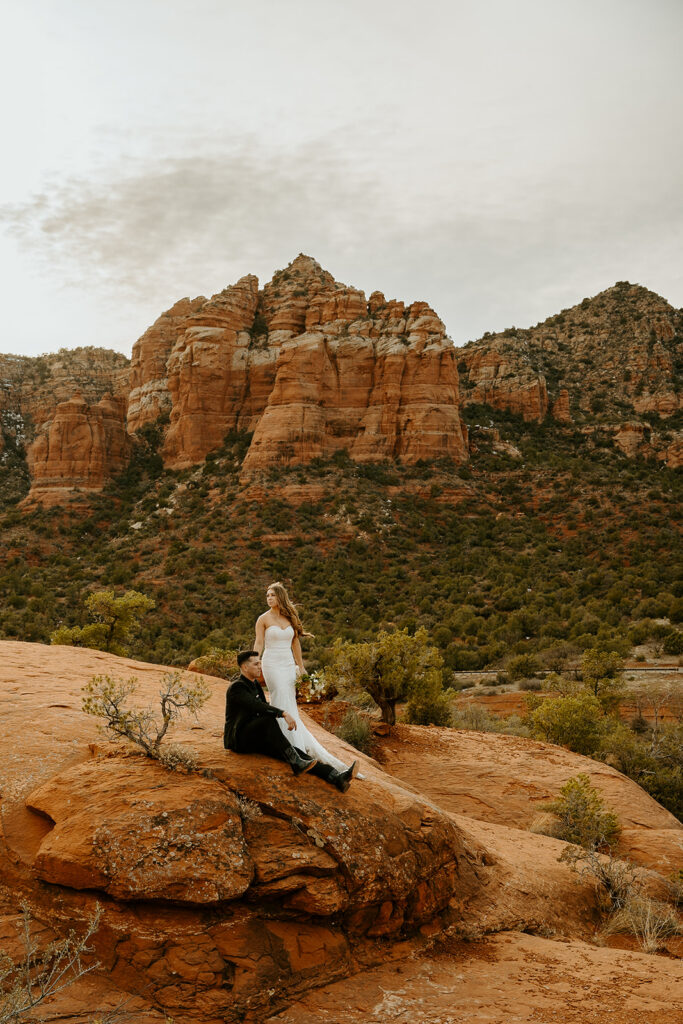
(342, 780)
(299, 764)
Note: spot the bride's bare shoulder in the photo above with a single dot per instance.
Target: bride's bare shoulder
(263, 618)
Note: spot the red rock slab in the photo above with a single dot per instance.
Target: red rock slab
(510, 978)
(124, 827)
(506, 780)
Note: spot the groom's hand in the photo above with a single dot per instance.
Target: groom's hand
(291, 724)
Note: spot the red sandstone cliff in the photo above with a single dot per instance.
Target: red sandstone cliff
(372, 377)
(149, 396)
(307, 364)
(310, 366)
(219, 374)
(79, 448)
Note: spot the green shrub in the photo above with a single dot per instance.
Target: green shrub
(582, 816)
(673, 642)
(116, 621)
(574, 722)
(522, 667)
(355, 729)
(396, 666)
(475, 718)
(429, 709)
(217, 661)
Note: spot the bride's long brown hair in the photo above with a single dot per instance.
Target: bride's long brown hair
(288, 609)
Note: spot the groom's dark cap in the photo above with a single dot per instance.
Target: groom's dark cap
(245, 655)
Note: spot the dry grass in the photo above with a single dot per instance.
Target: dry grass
(651, 921)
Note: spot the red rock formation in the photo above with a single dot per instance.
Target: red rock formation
(618, 347)
(149, 395)
(639, 440)
(634, 439)
(504, 381)
(378, 399)
(220, 373)
(311, 368)
(80, 448)
(560, 407)
(31, 387)
(674, 454)
(220, 885)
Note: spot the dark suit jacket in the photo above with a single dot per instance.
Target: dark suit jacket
(244, 701)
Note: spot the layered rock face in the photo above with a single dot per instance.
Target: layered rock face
(220, 373)
(638, 440)
(306, 364)
(31, 387)
(80, 448)
(149, 396)
(505, 380)
(374, 378)
(560, 408)
(310, 366)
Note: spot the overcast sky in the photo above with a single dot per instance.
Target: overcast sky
(500, 159)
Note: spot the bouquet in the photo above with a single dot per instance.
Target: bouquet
(310, 687)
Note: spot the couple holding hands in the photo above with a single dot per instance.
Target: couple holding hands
(252, 726)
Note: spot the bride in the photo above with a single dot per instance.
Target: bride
(277, 642)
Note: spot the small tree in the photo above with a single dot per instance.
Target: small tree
(523, 666)
(657, 694)
(561, 685)
(574, 722)
(582, 816)
(108, 698)
(392, 668)
(115, 621)
(218, 661)
(602, 674)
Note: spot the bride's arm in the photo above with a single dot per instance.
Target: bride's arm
(298, 657)
(260, 638)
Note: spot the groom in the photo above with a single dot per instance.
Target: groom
(251, 727)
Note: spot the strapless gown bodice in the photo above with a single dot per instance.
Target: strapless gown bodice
(279, 641)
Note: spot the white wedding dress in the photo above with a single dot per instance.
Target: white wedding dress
(279, 672)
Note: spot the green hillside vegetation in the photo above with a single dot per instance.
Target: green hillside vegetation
(567, 548)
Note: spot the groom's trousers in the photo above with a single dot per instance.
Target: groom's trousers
(263, 735)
